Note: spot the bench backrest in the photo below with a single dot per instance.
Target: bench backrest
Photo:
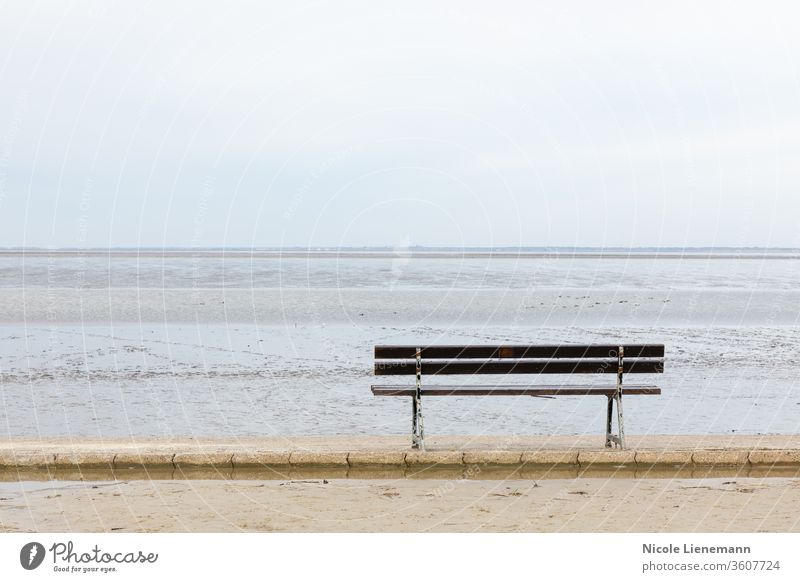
(519, 359)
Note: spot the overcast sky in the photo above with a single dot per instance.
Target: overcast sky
(561, 123)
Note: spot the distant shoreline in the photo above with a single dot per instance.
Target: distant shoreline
(122, 253)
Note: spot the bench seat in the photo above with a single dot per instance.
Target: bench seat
(512, 390)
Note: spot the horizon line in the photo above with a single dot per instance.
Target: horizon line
(401, 248)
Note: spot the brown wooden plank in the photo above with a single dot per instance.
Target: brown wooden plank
(467, 367)
(511, 390)
(450, 352)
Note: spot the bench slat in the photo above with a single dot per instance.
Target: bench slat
(466, 367)
(511, 390)
(449, 352)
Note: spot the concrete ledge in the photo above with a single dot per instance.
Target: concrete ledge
(492, 457)
(610, 457)
(260, 459)
(550, 457)
(203, 459)
(376, 458)
(448, 458)
(775, 457)
(25, 458)
(722, 457)
(143, 459)
(86, 460)
(663, 457)
(316, 458)
(324, 456)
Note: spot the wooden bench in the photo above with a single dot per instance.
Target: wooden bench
(517, 359)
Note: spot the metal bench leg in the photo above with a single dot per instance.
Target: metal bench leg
(618, 398)
(620, 423)
(609, 416)
(619, 438)
(414, 435)
(614, 440)
(420, 427)
(417, 428)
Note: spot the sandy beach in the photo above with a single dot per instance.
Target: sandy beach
(557, 505)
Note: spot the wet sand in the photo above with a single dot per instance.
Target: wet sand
(557, 505)
(231, 380)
